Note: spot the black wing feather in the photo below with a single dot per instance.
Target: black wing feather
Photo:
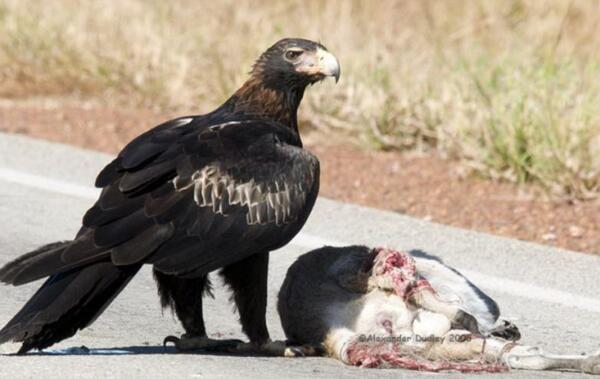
(192, 198)
(137, 249)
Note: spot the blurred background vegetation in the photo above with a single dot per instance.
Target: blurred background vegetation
(510, 88)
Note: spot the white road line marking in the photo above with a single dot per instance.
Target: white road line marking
(531, 291)
(49, 184)
(487, 282)
(309, 241)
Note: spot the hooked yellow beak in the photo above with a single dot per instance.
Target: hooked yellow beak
(320, 65)
(328, 64)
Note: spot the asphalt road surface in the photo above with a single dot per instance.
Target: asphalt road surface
(45, 188)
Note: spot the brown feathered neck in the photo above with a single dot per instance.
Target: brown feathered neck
(262, 98)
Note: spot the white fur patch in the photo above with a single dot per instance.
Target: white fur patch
(454, 288)
(428, 324)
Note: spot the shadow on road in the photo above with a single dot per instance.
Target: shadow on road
(129, 350)
(83, 350)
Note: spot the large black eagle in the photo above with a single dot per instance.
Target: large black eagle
(190, 196)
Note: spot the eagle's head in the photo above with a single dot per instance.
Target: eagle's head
(296, 62)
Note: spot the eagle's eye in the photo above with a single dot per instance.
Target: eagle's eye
(291, 55)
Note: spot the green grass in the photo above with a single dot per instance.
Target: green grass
(510, 88)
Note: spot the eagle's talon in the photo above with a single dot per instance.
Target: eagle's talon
(277, 349)
(172, 339)
(293, 352)
(186, 343)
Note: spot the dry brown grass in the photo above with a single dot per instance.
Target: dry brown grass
(512, 88)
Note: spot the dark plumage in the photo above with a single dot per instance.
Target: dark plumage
(189, 196)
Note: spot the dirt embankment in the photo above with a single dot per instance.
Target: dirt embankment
(423, 186)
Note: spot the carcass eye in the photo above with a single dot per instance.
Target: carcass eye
(293, 54)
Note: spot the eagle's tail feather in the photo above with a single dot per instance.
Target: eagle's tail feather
(65, 303)
(42, 256)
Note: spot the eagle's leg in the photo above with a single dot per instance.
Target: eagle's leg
(185, 297)
(248, 281)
